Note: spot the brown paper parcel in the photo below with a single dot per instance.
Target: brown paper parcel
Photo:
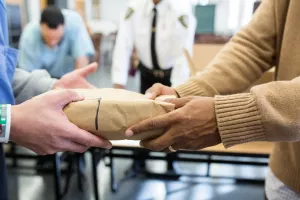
(109, 112)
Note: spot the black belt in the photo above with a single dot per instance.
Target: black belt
(157, 73)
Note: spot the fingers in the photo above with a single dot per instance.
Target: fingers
(158, 122)
(73, 147)
(85, 138)
(64, 97)
(154, 91)
(85, 71)
(160, 90)
(159, 144)
(178, 102)
(62, 146)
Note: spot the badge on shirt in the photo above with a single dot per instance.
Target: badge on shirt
(129, 13)
(184, 20)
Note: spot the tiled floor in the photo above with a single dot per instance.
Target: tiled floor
(25, 185)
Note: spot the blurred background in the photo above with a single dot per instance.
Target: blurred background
(238, 174)
(217, 21)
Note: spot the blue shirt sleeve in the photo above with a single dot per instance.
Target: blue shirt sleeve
(82, 44)
(8, 59)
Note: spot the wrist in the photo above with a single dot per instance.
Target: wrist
(56, 84)
(215, 121)
(238, 119)
(15, 122)
(5, 122)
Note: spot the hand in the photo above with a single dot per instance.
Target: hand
(118, 86)
(158, 90)
(40, 125)
(192, 126)
(76, 78)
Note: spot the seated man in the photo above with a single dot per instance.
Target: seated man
(59, 43)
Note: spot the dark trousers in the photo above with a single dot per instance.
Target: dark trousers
(148, 79)
(3, 176)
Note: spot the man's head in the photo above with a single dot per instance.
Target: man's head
(52, 26)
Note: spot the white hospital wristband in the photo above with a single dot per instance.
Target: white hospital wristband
(5, 120)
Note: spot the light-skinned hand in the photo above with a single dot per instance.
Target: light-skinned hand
(40, 125)
(77, 78)
(158, 90)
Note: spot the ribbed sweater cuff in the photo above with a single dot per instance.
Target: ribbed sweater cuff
(190, 88)
(238, 119)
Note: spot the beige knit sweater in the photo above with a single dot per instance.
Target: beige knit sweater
(270, 112)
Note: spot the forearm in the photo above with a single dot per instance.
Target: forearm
(268, 113)
(242, 61)
(81, 62)
(27, 85)
(122, 52)
(120, 67)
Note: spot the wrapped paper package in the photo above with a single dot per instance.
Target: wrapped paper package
(109, 112)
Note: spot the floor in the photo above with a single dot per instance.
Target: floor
(24, 184)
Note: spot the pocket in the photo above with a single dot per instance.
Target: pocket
(142, 34)
(165, 29)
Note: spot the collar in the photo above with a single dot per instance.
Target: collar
(161, 7)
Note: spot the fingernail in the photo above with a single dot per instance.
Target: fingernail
(109, 146)
(129, 133)
(148, 95)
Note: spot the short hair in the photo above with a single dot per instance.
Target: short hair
(53, 17)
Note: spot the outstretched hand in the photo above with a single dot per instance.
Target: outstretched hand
(77, 78)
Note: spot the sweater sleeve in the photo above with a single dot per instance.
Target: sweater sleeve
(242, 61)
(270, 112)
(27, 85)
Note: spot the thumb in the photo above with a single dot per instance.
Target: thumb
(63, 97)
(154, 91)
(178, 102)
(85, 71)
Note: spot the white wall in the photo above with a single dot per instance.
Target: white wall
(34, 10)
(231, 15)
(71, 4)
(221, 17)
(111, 9)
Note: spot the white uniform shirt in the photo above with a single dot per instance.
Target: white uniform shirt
(172, 37)
(277, 190)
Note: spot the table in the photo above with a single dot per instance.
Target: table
(252, 150)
